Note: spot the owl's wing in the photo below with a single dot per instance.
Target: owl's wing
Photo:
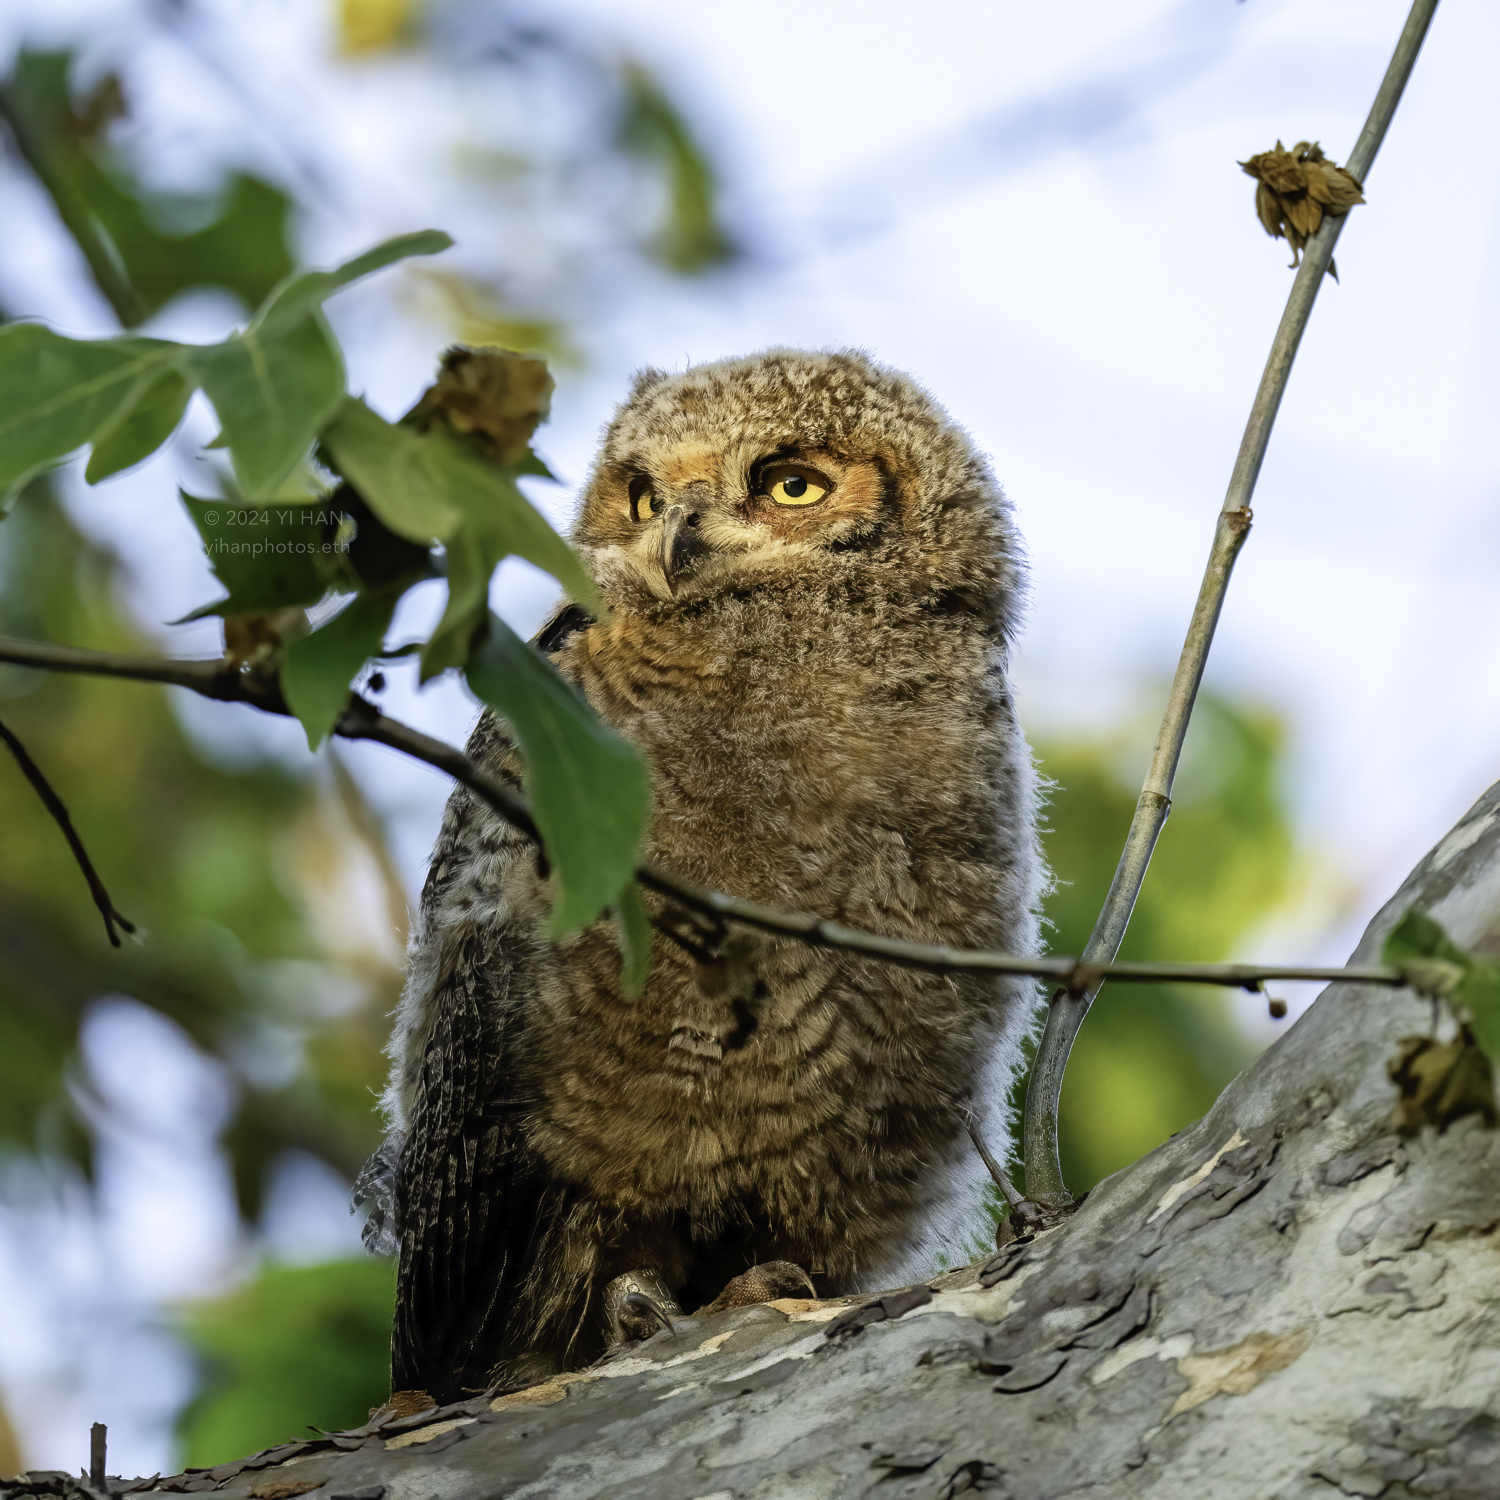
(471, 1196)
(469, 1192)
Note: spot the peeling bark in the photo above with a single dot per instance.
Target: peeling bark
(1285, 1302)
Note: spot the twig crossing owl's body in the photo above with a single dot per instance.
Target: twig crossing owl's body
(813, 579)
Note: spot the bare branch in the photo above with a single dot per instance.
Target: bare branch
(1044, 1180)
(54, 805)
(363, 721)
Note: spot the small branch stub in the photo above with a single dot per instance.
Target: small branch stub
(97, 1435)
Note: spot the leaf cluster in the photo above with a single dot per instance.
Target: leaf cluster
(435, 492)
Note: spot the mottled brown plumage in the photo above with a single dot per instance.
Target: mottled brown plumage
(820, 689)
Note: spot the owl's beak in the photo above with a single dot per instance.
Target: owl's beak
(681, 543)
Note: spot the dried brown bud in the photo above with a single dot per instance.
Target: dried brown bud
(493, 397)
(1277, 1007)
(1294, 189)
(1440, 1082)
(254, 640)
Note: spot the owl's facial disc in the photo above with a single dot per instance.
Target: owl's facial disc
(695, 515)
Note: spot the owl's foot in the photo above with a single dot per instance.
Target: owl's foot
(636, 1305)
(768, 1282)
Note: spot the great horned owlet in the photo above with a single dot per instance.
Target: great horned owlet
(813, 580)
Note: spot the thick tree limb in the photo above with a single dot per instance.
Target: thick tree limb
(363, 721)
(1044, 1180)
(1287, 1301)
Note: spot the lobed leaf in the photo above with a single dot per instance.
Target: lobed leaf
(590, 793)
(318, 669)
(141, 427)
(302, 293)
(273, 561)
(57, 393)
(273, 390)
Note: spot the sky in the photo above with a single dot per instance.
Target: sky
(1035, 210)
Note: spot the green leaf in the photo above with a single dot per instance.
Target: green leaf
(273, 390)
(690, 238)
(590, 792)
(276, 384)
(1435, 963)
(1479, 993)
(635, 938)
(300, 294)
(141, 428)
(319, 668)
(391, 467)
(57, 393)
(428, 487)
(268, 557)
(1416, 935)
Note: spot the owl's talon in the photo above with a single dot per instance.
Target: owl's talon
(639, 1302)
(767, 1282)
(635, 1303)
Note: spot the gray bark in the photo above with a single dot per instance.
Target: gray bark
(1286, 1300)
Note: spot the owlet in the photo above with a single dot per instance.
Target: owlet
(814, 581)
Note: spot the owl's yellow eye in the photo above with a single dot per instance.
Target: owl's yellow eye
(642, 502)
(794, 484)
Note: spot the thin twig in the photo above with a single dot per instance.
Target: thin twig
(994, 1168)
(54, 805)
(1044, 1180)
(363, 721)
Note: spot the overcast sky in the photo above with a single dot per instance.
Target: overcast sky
(1036, 211)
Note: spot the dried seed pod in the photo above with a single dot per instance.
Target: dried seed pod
(491, 396)
(1294, 189)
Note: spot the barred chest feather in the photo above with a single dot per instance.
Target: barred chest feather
(855, 774)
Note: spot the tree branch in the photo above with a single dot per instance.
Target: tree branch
(1044, 1180)
(54, 805)
(363, 721)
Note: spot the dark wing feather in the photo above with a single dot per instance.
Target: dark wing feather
(481, 1297)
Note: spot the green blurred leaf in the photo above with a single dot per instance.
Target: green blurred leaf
(57, 393)
(1436, 964)
(1416, 935)
(147, 422)
(225, 871)
(299, 1345)
(1151, 1059)
(271, 557)
(428, 487)
(690, 238)
(138, 264)
(318, 668)
(590, 793)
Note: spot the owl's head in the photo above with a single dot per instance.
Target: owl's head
(788, 467)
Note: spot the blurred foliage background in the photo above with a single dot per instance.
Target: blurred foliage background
(270, 914)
